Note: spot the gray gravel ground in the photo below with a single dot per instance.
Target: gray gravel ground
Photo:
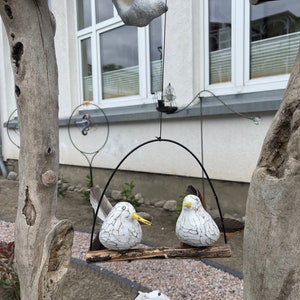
(178, 279)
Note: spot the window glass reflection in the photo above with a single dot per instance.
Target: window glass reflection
(84, 15)
(155, 36)
(119, 62)
(275, 36)
(104, 10)
(87, 72)
(219, 41)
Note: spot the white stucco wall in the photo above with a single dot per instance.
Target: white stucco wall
(231, 144)
(179, 51)
(231, 147)
(7, 96)
(66, 54)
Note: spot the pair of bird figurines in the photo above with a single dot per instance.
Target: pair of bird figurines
(121, 229)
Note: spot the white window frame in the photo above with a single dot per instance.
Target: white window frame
(94, 31)
(79, 58)
(240, 52)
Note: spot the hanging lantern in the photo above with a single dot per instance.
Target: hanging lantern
(166, 100)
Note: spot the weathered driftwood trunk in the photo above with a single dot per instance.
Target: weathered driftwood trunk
(43, 244)
(272, 231)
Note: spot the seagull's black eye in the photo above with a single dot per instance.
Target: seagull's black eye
(159, 294)
(124, 207)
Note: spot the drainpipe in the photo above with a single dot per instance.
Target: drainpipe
(2, 165)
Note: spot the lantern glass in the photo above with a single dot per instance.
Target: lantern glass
(165, 101)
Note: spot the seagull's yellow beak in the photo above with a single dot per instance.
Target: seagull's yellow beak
(135, 216)
(187, 204)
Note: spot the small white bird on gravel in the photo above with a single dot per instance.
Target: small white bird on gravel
(121, 229)
(154, 295)
(195, 227)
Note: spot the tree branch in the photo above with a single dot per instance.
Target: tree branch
(161, 252)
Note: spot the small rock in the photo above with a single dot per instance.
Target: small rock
(145, 215)
(147, 202)
(160, 203)
(64, 186)
(226, 215)
(116, 195)
(71, 188)
(139, 198)
(12, 175)
(170, 205)
(152, 201)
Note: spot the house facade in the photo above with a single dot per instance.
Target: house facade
(232, 59)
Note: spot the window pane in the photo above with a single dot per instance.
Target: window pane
(119, 62)
(86, 63)
(84, 15)
(155, 32)
(275, 36)
(219, 41)
(104, 10)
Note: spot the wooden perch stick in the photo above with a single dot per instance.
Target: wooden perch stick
(161, 252)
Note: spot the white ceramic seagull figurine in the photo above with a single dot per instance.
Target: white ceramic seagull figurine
(195, 227)
(121, 229)
(154, 295)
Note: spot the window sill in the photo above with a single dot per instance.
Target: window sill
(268, 101)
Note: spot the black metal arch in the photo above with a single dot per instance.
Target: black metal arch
(140, 146)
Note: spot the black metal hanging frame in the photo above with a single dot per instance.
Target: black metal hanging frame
(135, 149)
(84, 153)
(8, 127)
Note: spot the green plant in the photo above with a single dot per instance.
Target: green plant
(127, 193)
(8, 276)
(179, 205)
